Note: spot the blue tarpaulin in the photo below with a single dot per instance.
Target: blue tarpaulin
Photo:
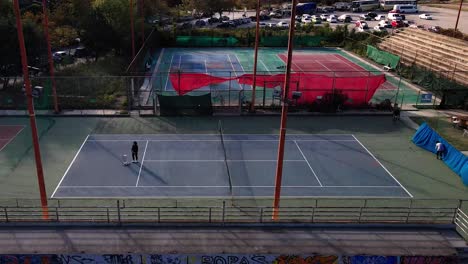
(426, 138)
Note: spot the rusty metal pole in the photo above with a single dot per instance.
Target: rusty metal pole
(49, 54)
(132, 29)
(32, 115)
(142, 14)
(257, 39)
(284, 116)
(458, 16)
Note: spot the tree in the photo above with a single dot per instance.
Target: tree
(97, 33)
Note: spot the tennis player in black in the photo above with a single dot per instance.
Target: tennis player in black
(135, 152)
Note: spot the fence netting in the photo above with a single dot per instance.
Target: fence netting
(354, 90)
(382, 57)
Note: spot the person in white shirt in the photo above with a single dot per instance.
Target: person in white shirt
(439, 150)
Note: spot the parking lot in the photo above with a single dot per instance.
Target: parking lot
(445, 18)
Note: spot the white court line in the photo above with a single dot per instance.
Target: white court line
(226, 186)
(216, 140)
(216, 134)
(372, 155)
(17, 133)
(165, 197)
(347, 62)
(169, 72)
(323, 65)
(69, 166)
(141, 165)
(222, 160)
(300, 150)
(264, 66)
(234, 69)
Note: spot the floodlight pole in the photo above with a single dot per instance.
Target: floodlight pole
(257, 39)
(284, 115)
(32, 115)
(142, 14)
(132, 29)
(49, 54)
(458, 16)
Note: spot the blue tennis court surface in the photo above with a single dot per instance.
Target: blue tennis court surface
(194, 165)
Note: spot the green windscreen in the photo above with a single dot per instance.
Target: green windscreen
(382, 57)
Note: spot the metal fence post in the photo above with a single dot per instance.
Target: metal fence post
(409, 211)
(159, 215)
(57, 214)
(261, 215)
(209, 215)
(108, 216)
(224, 211)
(118, 211)
(6, 214)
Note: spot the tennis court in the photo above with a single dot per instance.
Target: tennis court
(230, 165)
(8, 133)
(198, 70)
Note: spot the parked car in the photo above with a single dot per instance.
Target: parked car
(298, 18)
(200, 23)
(316, 19)
(342, 6)
(224, 18)
(262, 24)
(394, 16)
(332, 19)
(213, 20)
(226, 24)
(425, 16)
(372, 14)
(283, 24)
(378, 28)
(365, 17)
(271, 25)
(329, 9)
(345, 18)
(324, 17)
(58, 56)
(306, 20)
(361, 25)
(380, 17)
(385, 24)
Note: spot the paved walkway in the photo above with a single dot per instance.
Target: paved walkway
(202, 240)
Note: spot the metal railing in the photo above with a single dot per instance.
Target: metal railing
(461, 221)
(118, 212)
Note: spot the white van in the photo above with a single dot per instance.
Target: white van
(394, 16)
(405, 9)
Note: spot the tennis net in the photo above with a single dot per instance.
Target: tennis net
(221, 133)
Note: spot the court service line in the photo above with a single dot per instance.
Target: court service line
(169, 72)
(222, 160)
(69, 166)
(372, 155)
(224, 186)
(13, 137)
(302, 153)
(217, 140)
(141, 165)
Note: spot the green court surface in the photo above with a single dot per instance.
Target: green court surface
(60, 138)
(240, 60)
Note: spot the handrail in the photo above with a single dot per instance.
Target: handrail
(461, 221)
(120, 213)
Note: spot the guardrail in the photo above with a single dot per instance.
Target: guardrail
(461, 221)
(119, 213)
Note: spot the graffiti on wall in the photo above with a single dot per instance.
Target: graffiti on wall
(429, 260)
(370, 260)
(218, 259)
